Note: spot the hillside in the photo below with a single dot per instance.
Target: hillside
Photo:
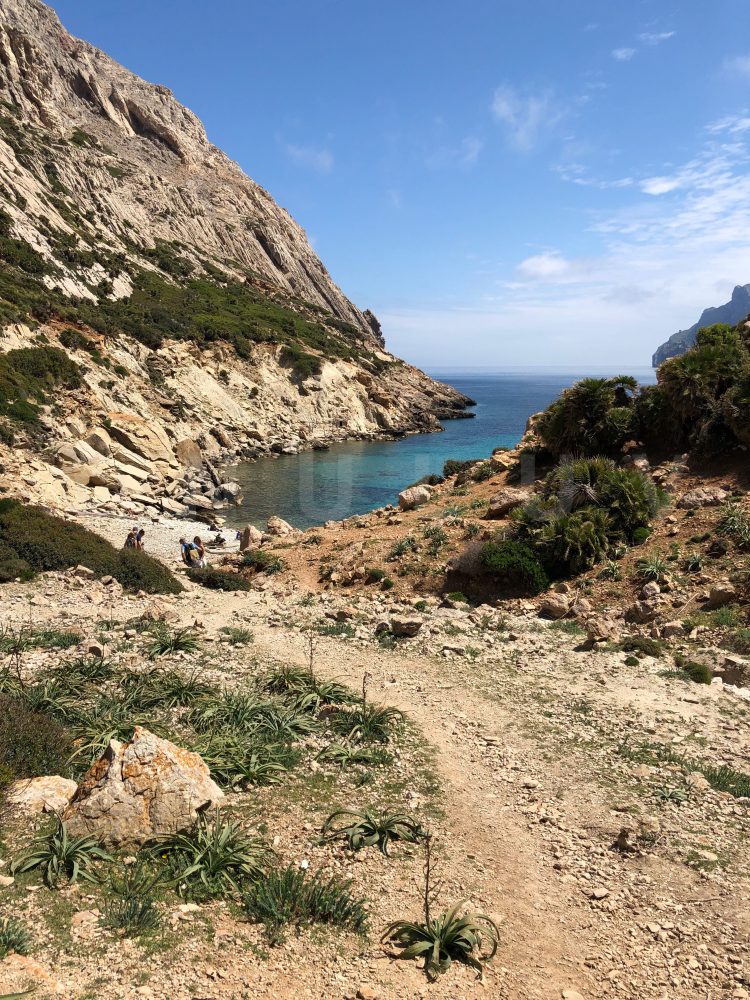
(731, 312)
(161, 292)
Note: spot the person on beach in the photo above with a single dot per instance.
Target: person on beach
(201, 560)
(130, 541)
(187, 551)
(139, 544)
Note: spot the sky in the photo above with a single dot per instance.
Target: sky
(503, 182)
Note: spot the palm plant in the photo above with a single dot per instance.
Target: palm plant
(471, 938)
(61, 856)
(368, 829)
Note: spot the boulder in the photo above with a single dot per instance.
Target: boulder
(600, 628)
(278, 527)
(670, 630)
(721, 593)
(188, 454)
(505, 501)
(100, 441)
(145, 438)
(554, 606)
(413, 497)
(735, 670)
(35, 795)
(706, 496)
(229, 491)
(145, 788)
(250, 538)
(405, 627)
(643, 612)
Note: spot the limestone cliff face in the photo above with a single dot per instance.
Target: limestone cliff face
(731, 312)
(116, 213)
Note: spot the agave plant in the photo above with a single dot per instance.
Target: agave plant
(131, 908)
(653, 568)
(693, 562)
(13, 938)
(237, 762)
(471, 938)
(61, 856)
(213, 858)
(367, 829)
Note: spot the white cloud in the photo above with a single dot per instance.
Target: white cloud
(660, 185)
(549, 265)
(658, 264)
(525, 115)
(623, 55)
(308, 156)
(655, 37)
(738, 65)
(733, 124)
(465, 154)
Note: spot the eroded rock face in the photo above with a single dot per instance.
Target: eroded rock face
(141, 789)
(413, 497)
(280, 528)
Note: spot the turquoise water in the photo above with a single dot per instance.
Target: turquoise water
(353, 478)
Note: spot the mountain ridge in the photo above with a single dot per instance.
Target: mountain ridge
(731, 312)
(136, 247)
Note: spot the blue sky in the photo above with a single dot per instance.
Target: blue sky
(504, 182)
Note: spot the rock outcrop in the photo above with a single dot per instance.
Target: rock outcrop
(139, 790)
(111, 187)
(734, 311)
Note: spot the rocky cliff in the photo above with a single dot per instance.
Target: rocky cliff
(732, 312)
(198, 321)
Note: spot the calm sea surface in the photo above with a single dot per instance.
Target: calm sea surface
(353, 478)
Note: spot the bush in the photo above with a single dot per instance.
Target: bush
(454, 466)
(31, 744)
(28, 374)
(217, 579)
(263, 561)
(290, 897)
(593, 417)
(516, 565)
(14, 938)
(44, 542)
(640, 535)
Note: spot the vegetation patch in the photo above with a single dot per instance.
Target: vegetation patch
(34, 541)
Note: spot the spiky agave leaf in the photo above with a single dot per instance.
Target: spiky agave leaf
(472, 939)
(367, 829)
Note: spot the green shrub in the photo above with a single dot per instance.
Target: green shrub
(375, 575)
(483, 472)
(263, 561)
(640, 535)
(516, 565)
(698, 672)
(454, 466)
(46, 542)
(28, 374)
(593, 417)
(217, 579)
(31, 744)
(14, 938)
(456, 595)
(642, 645)
(292, 898)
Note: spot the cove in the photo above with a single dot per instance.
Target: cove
(357, 476)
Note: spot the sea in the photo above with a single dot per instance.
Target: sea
(355, 477)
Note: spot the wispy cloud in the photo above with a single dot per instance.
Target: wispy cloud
(464, 154)
(737, 65)
(525, 115)
(652, 267)
(655, 37)
(320, 160)
(623, 55)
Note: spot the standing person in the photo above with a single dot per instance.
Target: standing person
(201, 561)
(139, 539)
(130, 541)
